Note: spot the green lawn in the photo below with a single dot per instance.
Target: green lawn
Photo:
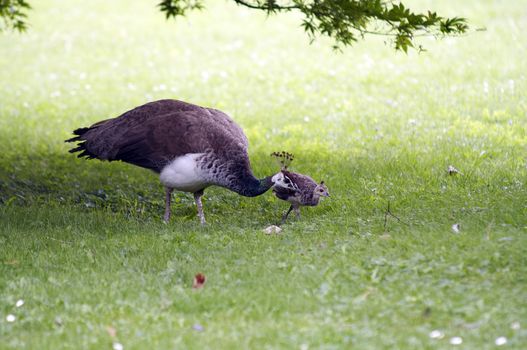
(83, 245)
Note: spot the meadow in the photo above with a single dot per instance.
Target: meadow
(376, 266)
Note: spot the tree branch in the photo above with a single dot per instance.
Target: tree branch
(271, 6)
(345, 21)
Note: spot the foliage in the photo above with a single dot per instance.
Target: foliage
(12, 14)
(179, 8)
(348, 20)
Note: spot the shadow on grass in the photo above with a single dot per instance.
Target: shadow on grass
(419, 192)
(29, 178)
(63, 181)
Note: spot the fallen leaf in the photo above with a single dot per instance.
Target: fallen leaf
(112, 332)
(199, 281)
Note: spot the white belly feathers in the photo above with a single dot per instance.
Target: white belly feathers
(183, 174)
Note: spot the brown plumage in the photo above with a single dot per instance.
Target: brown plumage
(299, 190)
(191, 147)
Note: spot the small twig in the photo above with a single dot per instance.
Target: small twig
(269, 7)
(489, 228)
(59, 240)
(387, 213)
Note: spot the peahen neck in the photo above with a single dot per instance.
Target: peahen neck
(252, 187)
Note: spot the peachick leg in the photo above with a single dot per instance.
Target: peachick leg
(284, 218)
(297, 212)
(197, 198)
(168, 198)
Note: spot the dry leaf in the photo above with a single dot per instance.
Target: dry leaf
(199, 281)
(112, 332)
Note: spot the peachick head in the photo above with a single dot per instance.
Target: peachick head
(321, 190)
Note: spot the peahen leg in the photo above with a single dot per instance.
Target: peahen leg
(168, 198)
(197, 198)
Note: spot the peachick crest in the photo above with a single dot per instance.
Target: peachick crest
(284, 159)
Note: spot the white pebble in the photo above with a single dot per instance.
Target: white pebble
(272, 229)
(19, 303)
(500, 341)
(436, 334)
(456, 340)
(117, 346)
(10, 318)
(452, 170)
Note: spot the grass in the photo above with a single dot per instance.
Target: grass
(82, 243)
